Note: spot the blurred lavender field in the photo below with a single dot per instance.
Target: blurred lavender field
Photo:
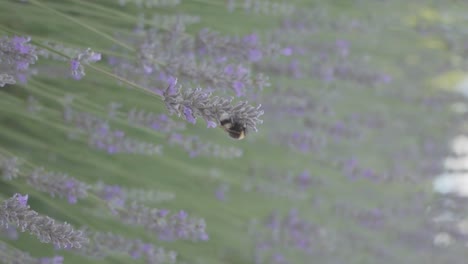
(111, 148)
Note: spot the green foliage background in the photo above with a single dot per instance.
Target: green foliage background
(41, 139)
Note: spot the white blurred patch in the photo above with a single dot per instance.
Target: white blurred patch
(456, 183)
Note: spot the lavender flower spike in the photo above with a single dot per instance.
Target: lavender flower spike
(16, 54)
(210, 108)
(15, 211)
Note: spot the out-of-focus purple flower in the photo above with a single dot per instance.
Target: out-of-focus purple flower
(255, 55)
(16, 55)
(77, 69)
(221, 191)
(189, 115)
(211, 124)
(238, 87)
(167, 226)
(86, 57)
(287, 51)
(172, 88)
(10, 232)
(58, 184)
(22, 199)
(113, 194)
(53, 260)
(343, 47)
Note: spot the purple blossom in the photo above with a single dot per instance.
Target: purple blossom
(53, 260)
(165, 225)
(343, 47)
(10, 232)
(16, 56)
(77, 69)
(58, 184)
(77, 63)
(113, 194)
(211, 124)
(212, 108)
(189, 115)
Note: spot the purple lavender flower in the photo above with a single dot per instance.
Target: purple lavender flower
(77, 70)
(211, 108)
(166, 226)
(16, 54)
(189, 115)
(15, 211)
(58, 184)
(113, 194)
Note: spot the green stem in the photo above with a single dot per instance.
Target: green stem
(125, 81)
(78, 22)
(96, 68)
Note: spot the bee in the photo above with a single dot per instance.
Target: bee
(234, 127)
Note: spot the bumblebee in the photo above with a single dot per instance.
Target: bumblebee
(234, 127)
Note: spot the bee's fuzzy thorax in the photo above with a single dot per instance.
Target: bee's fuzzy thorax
(234, 128)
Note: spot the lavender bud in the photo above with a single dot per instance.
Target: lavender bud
(15, 211)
